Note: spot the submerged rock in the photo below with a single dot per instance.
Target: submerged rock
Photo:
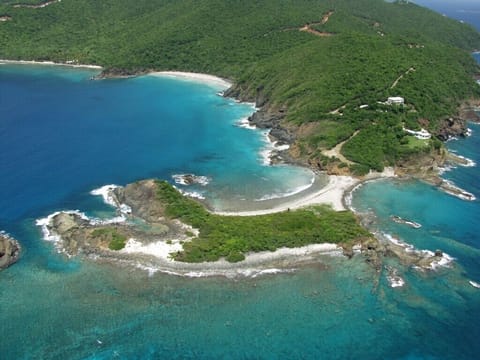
(9, 251)
(374, 252)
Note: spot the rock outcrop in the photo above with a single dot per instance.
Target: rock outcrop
(374, 252)
(470, 110)
(140, 196)
(9, 251)
(452, 127)
(266, 117)
(112, 73)
(146, 223)
(78, 234)
(457, 125)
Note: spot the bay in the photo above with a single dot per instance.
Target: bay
(70, 135)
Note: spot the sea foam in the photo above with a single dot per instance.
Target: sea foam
(393, 278)
(245, 123)
(189, 179)
(450, 188)
(106, 192)
(444, 261)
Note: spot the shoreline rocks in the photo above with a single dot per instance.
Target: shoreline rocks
(452, 127)
(9, 251)
(119, 73)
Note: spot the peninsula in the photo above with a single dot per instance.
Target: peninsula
(160, 229)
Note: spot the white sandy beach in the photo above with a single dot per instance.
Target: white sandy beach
(255, 264)
(162, 250)
(50, 63)
(203, 78)
(332, 194)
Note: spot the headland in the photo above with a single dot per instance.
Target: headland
(158, 229)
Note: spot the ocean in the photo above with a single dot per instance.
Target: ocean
(63, 135)
(463, 10)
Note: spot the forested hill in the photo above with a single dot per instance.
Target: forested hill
(308, 57)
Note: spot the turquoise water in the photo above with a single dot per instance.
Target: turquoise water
(52, 307)
(449, 224)
(63, 135)
(74, 135)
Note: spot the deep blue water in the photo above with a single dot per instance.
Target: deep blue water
(63, 135)
(74, 135)
(462, 10)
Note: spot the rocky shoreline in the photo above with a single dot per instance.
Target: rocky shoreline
(119, 73)
(9, 251)
(78, 235)
(383, 246)
(282, 134)
(374, 250)
(151, 238)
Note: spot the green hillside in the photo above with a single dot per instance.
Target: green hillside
(349, 53)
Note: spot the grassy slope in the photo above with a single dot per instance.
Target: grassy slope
(257, 43)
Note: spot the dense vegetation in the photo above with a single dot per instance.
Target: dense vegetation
(259, 45)
(233, 236)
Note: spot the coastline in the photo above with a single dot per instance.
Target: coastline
(331, 194)
(154, 249)
(155, 258)
(153, 246)
(152, 252)
(335, 193)
(49, 63)
(194, 77)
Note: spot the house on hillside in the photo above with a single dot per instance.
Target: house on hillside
(422, 134)
(396, 100)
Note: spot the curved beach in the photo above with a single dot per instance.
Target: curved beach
(197, 77)
(323, 191)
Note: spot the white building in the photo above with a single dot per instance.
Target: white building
(422, 134)
(395, 100)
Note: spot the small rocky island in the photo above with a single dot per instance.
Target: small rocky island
(159, 227)
(9, 251)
